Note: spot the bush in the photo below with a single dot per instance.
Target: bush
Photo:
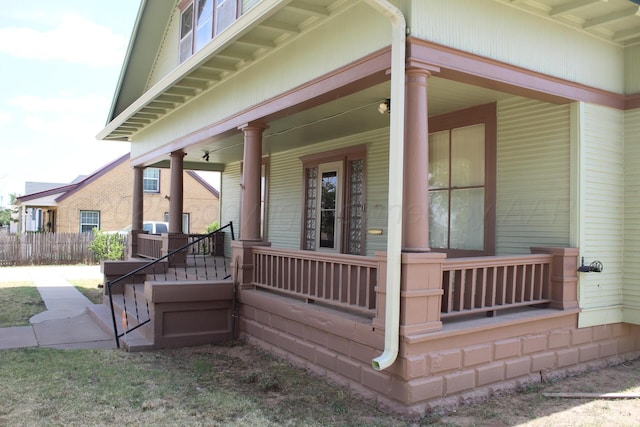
(213, 227)
(107, 246)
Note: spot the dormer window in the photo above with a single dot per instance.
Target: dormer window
(201, 21)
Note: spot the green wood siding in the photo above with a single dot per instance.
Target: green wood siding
(631, 287)
(601, 213)
(497, 31)
(230, 200)
(632, 69)
(532, 194)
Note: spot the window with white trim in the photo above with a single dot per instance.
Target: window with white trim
(151, 180)
(89, 220)
(203, 20)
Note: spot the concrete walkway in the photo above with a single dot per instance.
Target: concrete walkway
(65, 324)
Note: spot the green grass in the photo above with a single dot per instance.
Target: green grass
(89, 288)
(19, 301)
(212, 385)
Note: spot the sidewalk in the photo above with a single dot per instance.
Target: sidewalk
(65, 324)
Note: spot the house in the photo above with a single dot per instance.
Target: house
(104, 200)
(400, 169)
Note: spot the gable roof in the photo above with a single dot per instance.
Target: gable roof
(66, 190)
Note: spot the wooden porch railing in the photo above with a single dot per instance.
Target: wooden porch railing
(340, 280)
(149, 246)
(487, 284)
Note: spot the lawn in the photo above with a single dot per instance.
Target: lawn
(237, 385)
(89, 288)
(19, 301)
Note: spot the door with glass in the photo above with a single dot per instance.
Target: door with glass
(329, 196)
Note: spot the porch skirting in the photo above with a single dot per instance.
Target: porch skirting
(467, 361)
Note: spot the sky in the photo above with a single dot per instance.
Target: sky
(59, 65)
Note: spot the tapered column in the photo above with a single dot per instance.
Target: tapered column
(137, 209)
(251, 173)
(415, 220)
(176, 192)
(138, 199)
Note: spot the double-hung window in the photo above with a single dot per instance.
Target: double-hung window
(462, 161)
(201, 21)
(89, 220)
(151, 180)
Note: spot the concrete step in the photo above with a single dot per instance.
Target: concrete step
(137, 340)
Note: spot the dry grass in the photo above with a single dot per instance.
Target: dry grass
(19, 301)
(240, 385)
(222, 385)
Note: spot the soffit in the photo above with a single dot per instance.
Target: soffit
(616, 21)
(350, 115)
(264, 29)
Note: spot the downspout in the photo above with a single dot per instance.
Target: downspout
(396, 166)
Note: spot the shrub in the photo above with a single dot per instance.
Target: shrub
(107, 246)
(213, 227)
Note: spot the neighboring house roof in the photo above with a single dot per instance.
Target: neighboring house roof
(62, 191)
(37, 187)
(204, 183)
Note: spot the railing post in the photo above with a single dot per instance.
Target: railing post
(420, 293)
(564, 276)
(242, 253)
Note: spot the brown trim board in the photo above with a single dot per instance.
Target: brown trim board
(468, 68)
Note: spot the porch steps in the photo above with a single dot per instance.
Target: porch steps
(138, 340)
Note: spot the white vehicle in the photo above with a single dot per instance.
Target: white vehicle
(151, 227)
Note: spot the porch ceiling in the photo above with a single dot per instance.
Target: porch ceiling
(349, 115)
(617, 21)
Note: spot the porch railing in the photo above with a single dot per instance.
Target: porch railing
(345, 281)
(149, 245)
(487, 284)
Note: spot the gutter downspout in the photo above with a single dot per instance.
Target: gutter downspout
(396, 167)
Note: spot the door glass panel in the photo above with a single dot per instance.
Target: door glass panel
(467, 219)
(356, 204)
(439, 160)
(328, 209)
(310, 226)
(439, 219)
(467, 156)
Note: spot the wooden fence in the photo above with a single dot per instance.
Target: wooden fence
(46, 249)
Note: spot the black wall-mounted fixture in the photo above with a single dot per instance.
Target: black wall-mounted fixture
(594, 267)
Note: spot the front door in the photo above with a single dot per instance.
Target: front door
(329, 230)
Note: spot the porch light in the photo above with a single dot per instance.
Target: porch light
(205, 157)
(385, 106)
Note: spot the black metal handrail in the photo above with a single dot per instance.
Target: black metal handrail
(109, 284)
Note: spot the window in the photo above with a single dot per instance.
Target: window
(462, 182)
(208, 18)
(334, 201)
(151, 180)
(89, 220)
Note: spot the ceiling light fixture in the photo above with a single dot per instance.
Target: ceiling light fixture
(206, 156)
(385, 106)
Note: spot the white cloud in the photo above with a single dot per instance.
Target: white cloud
(76, 40)
(4, 117)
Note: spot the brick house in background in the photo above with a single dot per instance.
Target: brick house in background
(104, 200)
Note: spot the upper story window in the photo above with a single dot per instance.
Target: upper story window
(202, 20)
(151, 180)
